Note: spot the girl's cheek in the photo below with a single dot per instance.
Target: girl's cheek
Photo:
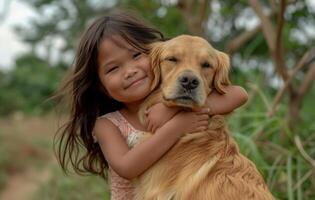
(146, 62)
(102, 83)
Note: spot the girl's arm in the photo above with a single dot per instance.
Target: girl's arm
(234, 97)
(130, 163)
(221, 104)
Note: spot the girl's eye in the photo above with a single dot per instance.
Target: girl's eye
(137, 54)
(112, 69)
(172, 59)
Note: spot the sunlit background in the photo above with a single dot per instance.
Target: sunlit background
(271, 44)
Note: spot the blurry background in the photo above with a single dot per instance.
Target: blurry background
(272, 47)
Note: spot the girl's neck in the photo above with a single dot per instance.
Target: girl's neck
(130, 112)
(132, 108)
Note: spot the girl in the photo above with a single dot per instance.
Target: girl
(111, 77)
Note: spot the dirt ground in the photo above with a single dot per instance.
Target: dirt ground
(30, 138)
(24, 185)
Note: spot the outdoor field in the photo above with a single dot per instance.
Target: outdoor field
(272, 56)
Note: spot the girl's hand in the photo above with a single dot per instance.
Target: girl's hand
(158, 115)
(221, 104)
(191, 121)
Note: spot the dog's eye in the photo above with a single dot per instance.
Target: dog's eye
(172, 59)
(206, 65)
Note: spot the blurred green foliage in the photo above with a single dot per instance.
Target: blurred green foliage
(27, 87)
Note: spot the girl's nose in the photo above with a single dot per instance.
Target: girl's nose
(131, 72)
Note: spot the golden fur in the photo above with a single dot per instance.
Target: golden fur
(205, 165)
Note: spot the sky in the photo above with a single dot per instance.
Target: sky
(10, 44)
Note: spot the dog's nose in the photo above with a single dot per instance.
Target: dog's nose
(189, 81)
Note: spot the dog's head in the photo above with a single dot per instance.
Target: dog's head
(187, 68)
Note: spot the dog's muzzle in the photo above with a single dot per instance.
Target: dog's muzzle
(187, 90)
(188, 82)
(188, 86)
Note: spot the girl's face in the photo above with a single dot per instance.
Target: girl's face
(124, 72)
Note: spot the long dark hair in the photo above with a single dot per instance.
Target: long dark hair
(74, 143)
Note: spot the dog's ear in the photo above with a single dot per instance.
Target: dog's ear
(221, 77)
(155, 55)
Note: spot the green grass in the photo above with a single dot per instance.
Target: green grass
(27, 143)
(269, 142)
(72, 187)
(20, 150)
(4, 161)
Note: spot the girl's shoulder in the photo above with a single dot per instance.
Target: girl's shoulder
(109, 120)
(104, 125)
(112, 116)
(115, 122)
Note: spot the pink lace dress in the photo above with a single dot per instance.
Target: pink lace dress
(122, 189)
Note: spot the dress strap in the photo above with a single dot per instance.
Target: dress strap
(119, 120)
(130, 134)
(114, 117)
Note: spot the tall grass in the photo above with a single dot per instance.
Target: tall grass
(272, 145)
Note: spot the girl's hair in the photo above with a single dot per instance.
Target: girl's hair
(75, 144)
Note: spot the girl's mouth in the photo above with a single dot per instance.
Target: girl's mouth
(135, 82)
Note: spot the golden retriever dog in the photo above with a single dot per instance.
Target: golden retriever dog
(205, 165)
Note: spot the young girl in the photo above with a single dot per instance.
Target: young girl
(110, 79)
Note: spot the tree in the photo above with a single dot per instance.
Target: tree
(27, 87)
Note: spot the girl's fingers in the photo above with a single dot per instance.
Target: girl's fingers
(199, 129)
(153, 130)
(203, 117)
(202, 125)
(204, 110)
(150, 128)
(203, 128)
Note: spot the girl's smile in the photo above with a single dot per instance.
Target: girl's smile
(136, 82)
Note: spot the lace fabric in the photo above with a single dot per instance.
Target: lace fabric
(121, 188)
